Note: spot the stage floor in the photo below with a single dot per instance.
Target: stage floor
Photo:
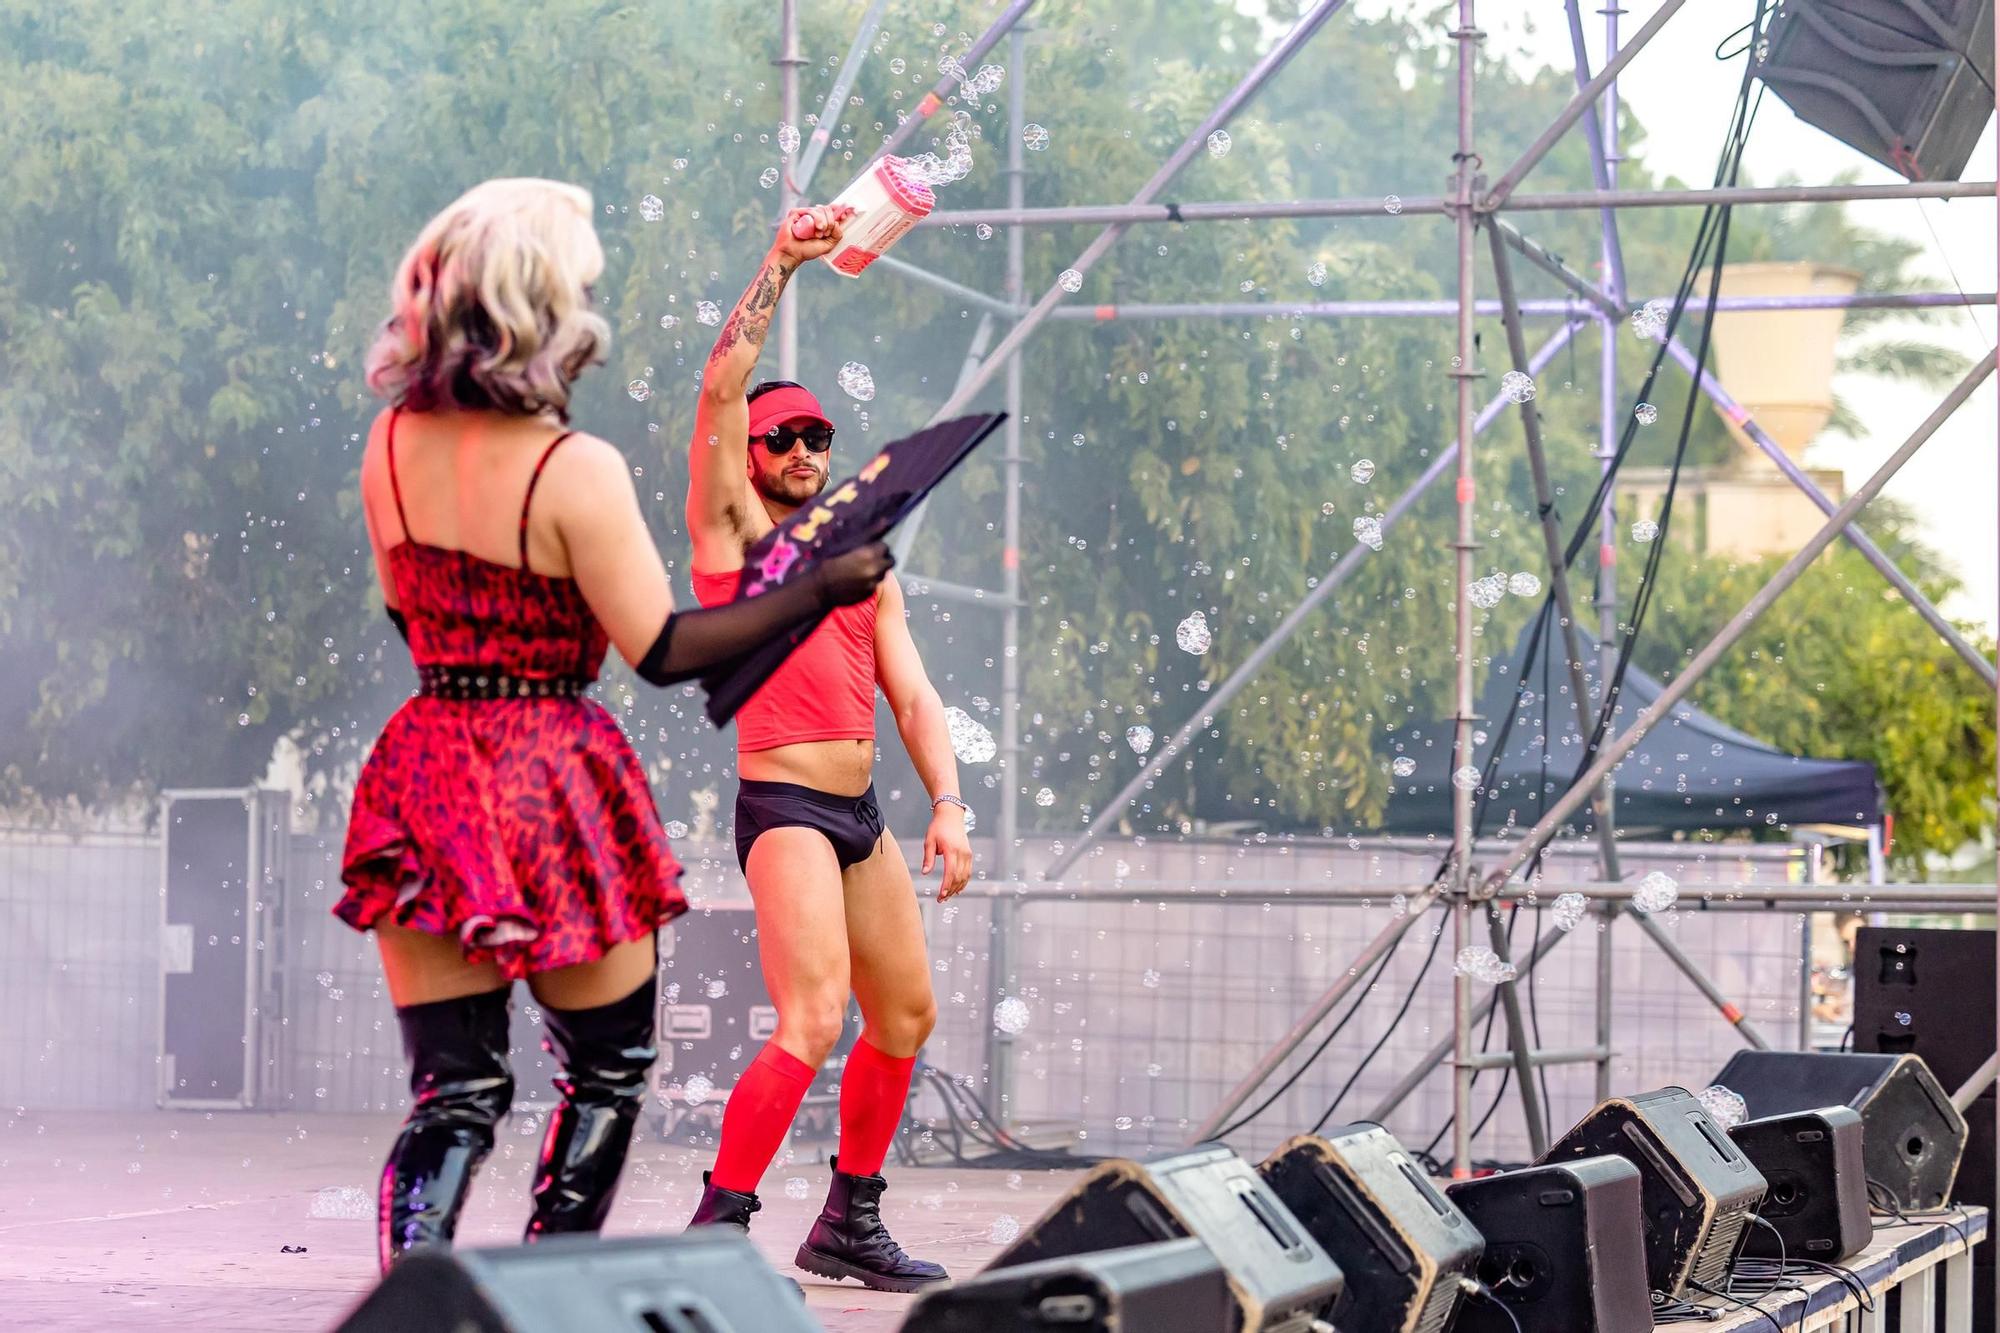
(180, 1220)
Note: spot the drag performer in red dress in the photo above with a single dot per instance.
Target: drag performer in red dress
(502, 828)
(836, 911)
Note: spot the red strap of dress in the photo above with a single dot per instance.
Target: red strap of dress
(529, 498)
(394, 485)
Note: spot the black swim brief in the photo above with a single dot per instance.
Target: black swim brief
(852, 824)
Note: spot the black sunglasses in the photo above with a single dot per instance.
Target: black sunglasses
(780, 439)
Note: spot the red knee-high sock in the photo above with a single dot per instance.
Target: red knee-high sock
(758, 1117)
(873, 1090)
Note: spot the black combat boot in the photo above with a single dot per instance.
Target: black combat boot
(462, 1086)
(605, 1053)
(849, 1240)
(723, 1208)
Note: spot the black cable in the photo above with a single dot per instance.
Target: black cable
(1437, 938)
(1475, 1287)
(1738, 1302)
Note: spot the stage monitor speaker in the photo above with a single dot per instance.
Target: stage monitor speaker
(1279, 1276)
(1565, 1249)
(1910, 989)
(1816, 1195)
(1170, 1286)
(1911, 1135)
(1698, 1190)
(712, 1281)
(1910, 84)
(1400, 1244)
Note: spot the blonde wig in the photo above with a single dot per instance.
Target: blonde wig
(491, 306)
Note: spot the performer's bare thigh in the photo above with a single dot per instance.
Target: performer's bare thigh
(795, 881)
(885, 947)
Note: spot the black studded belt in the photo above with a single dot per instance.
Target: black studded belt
(477, 682)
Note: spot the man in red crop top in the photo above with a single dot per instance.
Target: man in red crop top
(836, 911)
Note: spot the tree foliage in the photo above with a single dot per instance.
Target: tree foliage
(203, 202)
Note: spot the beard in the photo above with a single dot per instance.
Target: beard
(775, 485)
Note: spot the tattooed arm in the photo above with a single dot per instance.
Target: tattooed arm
(723, 515)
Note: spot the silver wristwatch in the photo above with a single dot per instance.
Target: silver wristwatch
(949, 799)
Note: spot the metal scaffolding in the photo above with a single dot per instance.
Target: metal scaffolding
(1472, 204)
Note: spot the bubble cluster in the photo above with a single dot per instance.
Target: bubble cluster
(652, 208)
(1465, 778)
(1070, 281)
(797, 1188)
(1140, 738)
(1192, 635)
(970, 740)
(1219, 144)
(708, 312)
(1518, 385)
(1646, 413)
(1316, 273)
(1034, 138)
(1487, 592)
(696, 1089)
(1726, 1108)
(1046, 797)
(1010, 1016)
(1656, 893)
(788, 139)
(1362, 472)
(676, 829)
(856, 381)
(1368, 531)
(768, 177)
(955, 165)
(1568, 910)
(1523, 584)
(1004, 1229)
(1482, 964)
(1645, 530)
(345, 1203)
(1403, 766)
(987, 79)
(1649, 321)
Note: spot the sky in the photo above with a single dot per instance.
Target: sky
(1683, 96)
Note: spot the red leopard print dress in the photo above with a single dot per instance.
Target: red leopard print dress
(522, 827)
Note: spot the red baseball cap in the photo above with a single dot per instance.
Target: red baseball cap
(787, 402)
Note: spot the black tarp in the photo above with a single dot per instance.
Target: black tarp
(1690, 772)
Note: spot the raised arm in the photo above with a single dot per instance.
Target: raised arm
(723, 516)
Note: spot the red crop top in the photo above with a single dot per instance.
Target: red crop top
(825, 691)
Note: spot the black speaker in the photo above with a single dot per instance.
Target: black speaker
(1975, 1185)
(1910, 989)
(1698, 1190)
(1911, 1135)
(1170, 1286)
(1280, 1278)
(701, 1282)
(1816, 1187)
(1908, 83)
(1400, 1244)
(1565, 1249)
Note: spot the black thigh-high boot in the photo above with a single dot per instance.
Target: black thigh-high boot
(462, 1086)
(605, 1053)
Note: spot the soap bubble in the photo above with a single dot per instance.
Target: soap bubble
(1045, 798)
(1363, 471)
(970, 741)
(1316, 274)
(345, 1203)
(1518, 386)
(1140, 738)
(651, 208)
(1192, 635)
(1645, 530)
(1219, 144)
(1004, 1229)
(1569, 910)
(1368, 531)
(1010, 1015)
(1403, 766)
(1070, 281)
(768, 177)
(640, 390)
(1487, 592)
(1649, 322)
(670, 321)
(797, 1188)
(696, 1089)
(1150, 979)
(676, 829)
(1656, 893)
(1646, 413)
(856, 381)
(1482, 964)
(1466, 778)
(985, 80)
(1034, 138)
(983, 232)
(1392, 203)
(788, 139)
(1726, 1108)
(708, 312)
(1523, 584)
(898, 65)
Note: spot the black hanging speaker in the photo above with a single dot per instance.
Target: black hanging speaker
(1279, 1277)
(1910, 989)
(701, 1282)
(1400, 1244)
(1911, 1135)
(1908, 82)
(1698, 1190)
(1816, 1197)
(1170, 1286)
(1565, 1249)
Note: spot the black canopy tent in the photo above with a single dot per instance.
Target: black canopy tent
(1690, 772)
